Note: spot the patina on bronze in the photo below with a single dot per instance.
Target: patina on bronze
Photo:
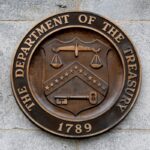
(76, 74)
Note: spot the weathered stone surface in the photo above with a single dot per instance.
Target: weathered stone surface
(133, 17)
(115, 9)
(33, 140)
(34, 9)
(119, 9)
(11, 35)
(118, 140)
(1, 83)
(138, 118)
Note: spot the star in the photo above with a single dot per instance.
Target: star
(103, 87)
(94, 81)
(52, 84)
(56, 80)
(66, 74)
(76, 67)
(85, 74)
(71, 71)
(47, 87)
(90, 78)
(80, 71)
(62, 77)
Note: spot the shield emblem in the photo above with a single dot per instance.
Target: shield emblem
(75, 73)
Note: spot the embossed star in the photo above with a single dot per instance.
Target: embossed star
(66, 74)
(94, 81)
(80, 70)
(76, 67)
(90, 78)
(85, 74)
(47, 87)
(103, 88)
(52, 84)
(61, 77)
(56, 80)
(99, 84)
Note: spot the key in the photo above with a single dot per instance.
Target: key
(64, 99)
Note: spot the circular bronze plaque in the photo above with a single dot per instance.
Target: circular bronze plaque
(76, 74)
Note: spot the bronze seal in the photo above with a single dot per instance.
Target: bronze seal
(76, 74)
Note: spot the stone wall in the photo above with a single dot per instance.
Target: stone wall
(16, 18)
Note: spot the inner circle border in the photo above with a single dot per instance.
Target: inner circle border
(67, 27)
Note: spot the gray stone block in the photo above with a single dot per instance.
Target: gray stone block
(11, 35)
(35, 9)
(37, 140)
(33, 140)
(118, 140)
(119, 9)
(138, 118)
(16, 131)
(1, 85)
